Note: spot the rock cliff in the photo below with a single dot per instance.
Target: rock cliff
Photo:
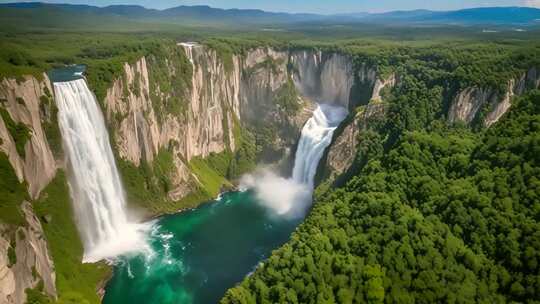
(488, 105)
(342, 153)
(33, 266)
(323, 77)
(26, 106)
(28, 116)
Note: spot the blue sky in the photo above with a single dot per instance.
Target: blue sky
(313, 6)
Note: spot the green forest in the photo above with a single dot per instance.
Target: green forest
(444, 215)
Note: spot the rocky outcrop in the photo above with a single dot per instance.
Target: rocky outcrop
(23, 101)
(342, 153)
(33, 264)
(470, 102)
(530, 80)
(7, 278)
(380, 85)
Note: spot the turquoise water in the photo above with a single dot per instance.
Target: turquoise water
(201, 253)
(67, 73)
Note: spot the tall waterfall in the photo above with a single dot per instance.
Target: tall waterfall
(96, 190)
(316, 136)
(291, 197)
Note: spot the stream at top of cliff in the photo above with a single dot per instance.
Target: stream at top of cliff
(200, 253)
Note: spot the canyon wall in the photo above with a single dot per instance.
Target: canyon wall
(488, 105)
(471, 105)
(342, 154)
(26, 104)
(323, 77)
(33, 264)
(28, 116)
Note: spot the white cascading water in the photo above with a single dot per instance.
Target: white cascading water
(316, 136)
(96, 190)
(188, 47)
(292, 197)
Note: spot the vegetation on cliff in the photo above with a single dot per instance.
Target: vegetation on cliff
(170, 80)
(12, 194)
(76, 282)
(19, 132)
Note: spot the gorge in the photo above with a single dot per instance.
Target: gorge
(183, 246)
(186, 122)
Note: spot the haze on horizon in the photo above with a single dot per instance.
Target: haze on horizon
(308, 6)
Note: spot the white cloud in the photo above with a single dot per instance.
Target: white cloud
(532, 3)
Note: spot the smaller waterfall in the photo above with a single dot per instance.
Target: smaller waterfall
(316, 136)
(188, 47)
(292, 197)
(96, 190)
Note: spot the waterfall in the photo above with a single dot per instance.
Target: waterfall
(316, 136)
(188, 47)
(291, 197)
(96, 190)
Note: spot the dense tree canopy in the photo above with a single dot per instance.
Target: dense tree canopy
(444, 215)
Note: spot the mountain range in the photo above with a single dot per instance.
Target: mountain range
(522, 16)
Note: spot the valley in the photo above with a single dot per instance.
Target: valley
(165, 161)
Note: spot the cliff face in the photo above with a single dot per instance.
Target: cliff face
(26, 106)
(343, 151)
(470, 102)
(380, 85)
(33, 262)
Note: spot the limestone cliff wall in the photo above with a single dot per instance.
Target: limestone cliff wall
(202, 128)
(23, 100)
(33, 261)
(470, 102)
(26, 104)
(342, 153)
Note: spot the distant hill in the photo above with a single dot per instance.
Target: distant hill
(58, 15)
(473, 16)
(179, 14)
